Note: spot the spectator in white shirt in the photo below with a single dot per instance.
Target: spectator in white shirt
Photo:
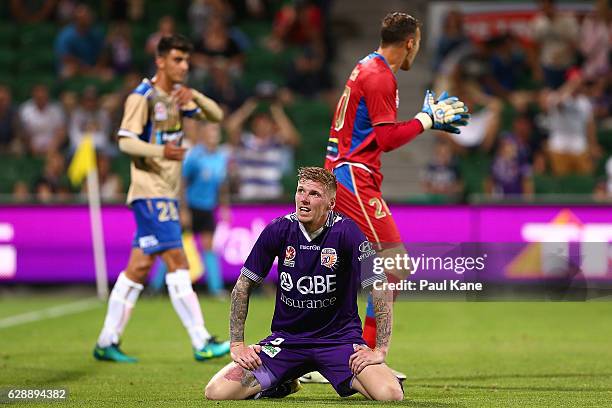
(572, 141)
(480, 134)
(90, 118)
(43, 122)
(556, 35)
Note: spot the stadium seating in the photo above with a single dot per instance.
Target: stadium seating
(27, 80)
(255, 30)
(604, 136)
(312, 119)
(27, 58)
(13, 169)
(474, 168)
(8, 33)
(37, 36)
(121, 166)
(156, 9)
(8, 58)
(570, 185)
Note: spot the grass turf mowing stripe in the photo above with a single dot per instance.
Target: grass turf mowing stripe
(52, 312)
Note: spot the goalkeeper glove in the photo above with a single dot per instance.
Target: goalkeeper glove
(445, 114)
(452, 127)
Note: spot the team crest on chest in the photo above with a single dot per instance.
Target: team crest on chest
(160, 111)
(289, 257)
(329, 257)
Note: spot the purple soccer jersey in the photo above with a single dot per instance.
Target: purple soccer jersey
(318, 282)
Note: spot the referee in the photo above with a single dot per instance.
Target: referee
(205, 175)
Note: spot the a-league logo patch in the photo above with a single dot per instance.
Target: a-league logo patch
(161, 112)
(271, 350)
(329, 257)
(289, 257)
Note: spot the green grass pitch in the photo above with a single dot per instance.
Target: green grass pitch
(455, 355)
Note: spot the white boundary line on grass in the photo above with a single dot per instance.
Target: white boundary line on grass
(49, 313)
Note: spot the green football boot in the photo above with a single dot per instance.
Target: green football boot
(212, 349)
(112, 353)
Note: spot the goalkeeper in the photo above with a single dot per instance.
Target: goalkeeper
(365, 125)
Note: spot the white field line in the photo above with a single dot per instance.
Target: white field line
(49, 313)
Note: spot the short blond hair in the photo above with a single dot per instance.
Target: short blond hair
(320, 175)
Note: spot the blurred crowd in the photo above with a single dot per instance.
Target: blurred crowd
(538, 107)
(258, 135)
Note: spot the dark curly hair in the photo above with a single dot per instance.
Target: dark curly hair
(397, 27)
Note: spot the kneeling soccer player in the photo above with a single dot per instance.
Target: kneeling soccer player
(323, 259)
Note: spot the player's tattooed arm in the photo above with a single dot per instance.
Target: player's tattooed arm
(383, 301)
(239, 308)
(363, 355)
(245, 356)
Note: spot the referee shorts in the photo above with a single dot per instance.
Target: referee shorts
(202, 221)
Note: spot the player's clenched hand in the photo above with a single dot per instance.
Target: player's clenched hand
(174, 152)
(246, 356)
(182, 95)
(363, 357)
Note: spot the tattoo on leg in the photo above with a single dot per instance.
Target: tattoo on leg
(234, 374)
(249, 380)
(244, 377)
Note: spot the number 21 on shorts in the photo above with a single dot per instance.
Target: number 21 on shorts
(167, 211)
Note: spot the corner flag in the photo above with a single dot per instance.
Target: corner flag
(83, 165)
(83, 161)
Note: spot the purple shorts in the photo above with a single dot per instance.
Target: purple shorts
(283, 364)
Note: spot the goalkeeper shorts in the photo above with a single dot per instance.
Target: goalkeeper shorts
(358, 198)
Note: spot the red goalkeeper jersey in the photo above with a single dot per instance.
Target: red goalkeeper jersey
(370, 98)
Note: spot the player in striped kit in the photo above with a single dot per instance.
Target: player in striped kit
(151, 132)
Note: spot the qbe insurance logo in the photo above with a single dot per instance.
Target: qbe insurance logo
(8, 253)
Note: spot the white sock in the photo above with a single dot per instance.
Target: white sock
(187, 306)
(120, 305)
